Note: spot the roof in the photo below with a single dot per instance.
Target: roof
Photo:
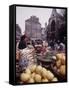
(56, 14)
(33, 19)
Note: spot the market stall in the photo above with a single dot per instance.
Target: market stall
(40, 64)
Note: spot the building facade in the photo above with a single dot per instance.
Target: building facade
(54, 28)
(44, 34)
(18, 33)
(33, 28)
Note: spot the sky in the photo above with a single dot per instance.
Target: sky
(24, 13)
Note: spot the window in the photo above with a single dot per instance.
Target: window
(53, 26)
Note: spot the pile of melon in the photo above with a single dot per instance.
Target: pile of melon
(36, 74)
(60, 65)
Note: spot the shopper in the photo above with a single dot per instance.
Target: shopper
(22, 43)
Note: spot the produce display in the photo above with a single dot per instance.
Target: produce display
(30, 72)
(32, 67)
(60, 63)
(46, 58)
(37, 73)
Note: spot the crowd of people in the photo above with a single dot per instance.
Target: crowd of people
(57, 45)
(38, 46)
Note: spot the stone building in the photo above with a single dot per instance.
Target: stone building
(33, 28)
(55, 27)
(18, 33)
(44, 34)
